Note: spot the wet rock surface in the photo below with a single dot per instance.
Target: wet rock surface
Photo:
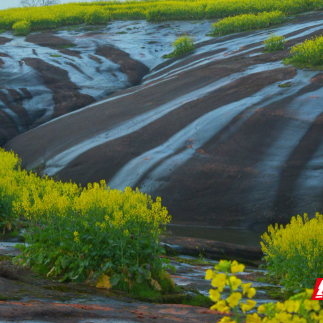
(4, 40)
(66, 95)
(134, 70)
(48, 74)
(212, 249)
(214, 132)
(54, 42)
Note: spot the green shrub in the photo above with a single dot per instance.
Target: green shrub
(97, 17)
(246, 22)
(294, 253)
(274, 43)
(21, 28)
(95, 234)
(308, 53)
(181, 45)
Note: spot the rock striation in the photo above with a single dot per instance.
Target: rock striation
(227, 135)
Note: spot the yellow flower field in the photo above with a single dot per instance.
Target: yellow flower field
(152, 10)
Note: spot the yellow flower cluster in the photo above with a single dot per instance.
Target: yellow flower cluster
(298, 309)
(152, 10)
(300, 232)
(309, 52)
(21, 28)
(221, 277)
(36, 198)
(297, 245)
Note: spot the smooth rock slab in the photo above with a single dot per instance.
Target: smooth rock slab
(213, 132)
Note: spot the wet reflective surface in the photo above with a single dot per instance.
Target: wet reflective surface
(235, 235)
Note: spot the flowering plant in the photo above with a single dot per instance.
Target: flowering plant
(96, 234)
(297, 309)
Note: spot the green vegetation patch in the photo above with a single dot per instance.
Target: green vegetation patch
(293, 253)
(21, 28)
(198, 300)
(65, 45)
(307, 54)
(96, 16)
(274, 43)
(246, 22)
(181, 45)
(96, 235)
(193, 261)
(6, 298)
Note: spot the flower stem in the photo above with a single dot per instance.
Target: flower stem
(235, 308)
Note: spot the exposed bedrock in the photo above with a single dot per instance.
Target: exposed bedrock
(46, 75)
(227, 135)
(133, 69)
(66, 96)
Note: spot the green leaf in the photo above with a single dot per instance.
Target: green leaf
(107, 265)
(114, 280)
(40, 259)
(140, 278)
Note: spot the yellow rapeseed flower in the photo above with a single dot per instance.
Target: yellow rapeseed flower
(312, 305)
(221, 306)
(250, 304)
(280, 307)
(247, 289)
(292, 306)
(298, 319)
(219, 281)
(209, 274)
(261, 309)
(214, 295)
(283, 317)
(254, 318)
(226, 319)
(236, 267)
(234, 282)
(234, 299)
